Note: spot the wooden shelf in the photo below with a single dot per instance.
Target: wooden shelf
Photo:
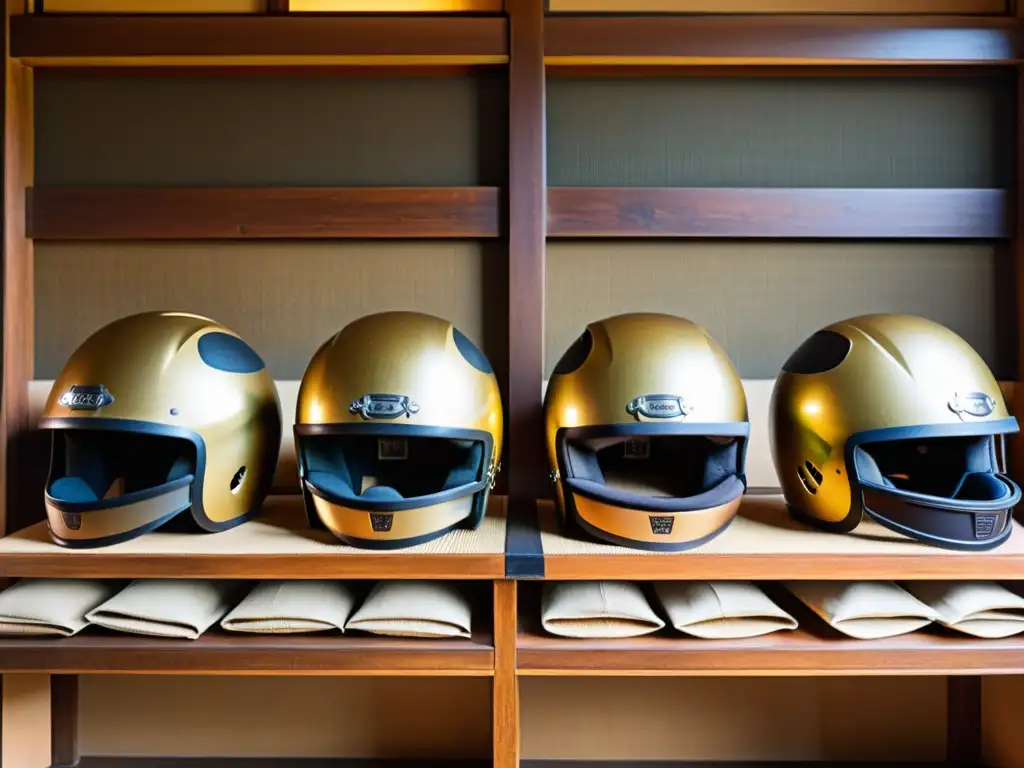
(278, 544)
(222, 653)
(101, 40)
(763, 543)
(800, 652)
(154, 213)
(765, 40)
(778, 213)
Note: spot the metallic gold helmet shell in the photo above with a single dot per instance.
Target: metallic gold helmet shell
(646, 426)
(898, 417)
(154, 414)
(398, 431)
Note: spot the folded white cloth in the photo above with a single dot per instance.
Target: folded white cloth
(288, 607)
(597, 609)
(51, 607)
(182, 608)
(721, 609)
(864, 609)
(414, 609)
(979, 608)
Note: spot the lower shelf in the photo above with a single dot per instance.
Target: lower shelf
(221, 653)
(801, 652)
(283, 762)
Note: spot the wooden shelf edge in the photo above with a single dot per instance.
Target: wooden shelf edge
(221, 653)
(780, 567)
(159, 213)
(87, 40)
(778, 213)
(790, 653)
(326, 566)
(759, 40)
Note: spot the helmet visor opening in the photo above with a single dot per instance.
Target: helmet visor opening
(108, 468)
(945, 488)
(391, 468)
(959, 467)
(656, 472)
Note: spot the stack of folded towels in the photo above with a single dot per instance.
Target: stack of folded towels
(186, 608)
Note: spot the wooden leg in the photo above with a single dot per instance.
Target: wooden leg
(506, 686)
(26, 721)
(963, 720)
(64, 720)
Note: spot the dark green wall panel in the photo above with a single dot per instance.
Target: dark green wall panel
(284, 298)
(780, 132)
(377, 131)
(759, 301)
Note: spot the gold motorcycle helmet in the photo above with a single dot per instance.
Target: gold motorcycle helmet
(897, 417)
(152, 415)
(398, 431)
(646, 426)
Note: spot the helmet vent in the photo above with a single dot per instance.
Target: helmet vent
(237, 480)
(808, 483)
(814, 472)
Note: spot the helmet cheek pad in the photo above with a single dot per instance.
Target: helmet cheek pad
(941, 484)
(661, 487)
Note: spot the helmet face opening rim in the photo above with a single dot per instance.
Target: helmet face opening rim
(99, 522)
(950, 522)
(390, 519)
(672, 518)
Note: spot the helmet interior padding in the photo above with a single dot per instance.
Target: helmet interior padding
(89, 466)
(354, 467)
(949, 467)
(666, 472)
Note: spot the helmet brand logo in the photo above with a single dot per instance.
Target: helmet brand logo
(377, 406)
(661, 525)
(984, 526)
(658, 407)
(89, 397)
(73, 520)
(972, 403)
(381, 523)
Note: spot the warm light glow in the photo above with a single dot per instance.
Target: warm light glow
(811, 408)
(570, 418)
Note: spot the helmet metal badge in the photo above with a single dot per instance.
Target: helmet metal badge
(897, 417)
(152, 415)
(646, 428)
(398, 431)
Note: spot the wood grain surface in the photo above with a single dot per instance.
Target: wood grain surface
(66, 213)
(779, 39)
(223, 653)
(779, 213)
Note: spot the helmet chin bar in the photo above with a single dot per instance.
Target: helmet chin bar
(969, 526)
(81, 525)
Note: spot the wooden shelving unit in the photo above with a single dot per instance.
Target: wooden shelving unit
(762, 543)
(519, 540)
(223, 653)
(278, 544)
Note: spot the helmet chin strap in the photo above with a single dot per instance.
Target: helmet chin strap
(101, 522)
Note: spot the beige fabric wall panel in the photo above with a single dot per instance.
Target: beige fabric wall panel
(269, 131)
(780, 132)
(274, 717)
(777, 6)
(285, 299)
(760, 301)
(765, 719)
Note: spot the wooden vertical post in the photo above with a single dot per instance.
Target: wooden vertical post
(505, 731)
(18, 289)
(527, 209)
(64, 720)
(963, 720)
